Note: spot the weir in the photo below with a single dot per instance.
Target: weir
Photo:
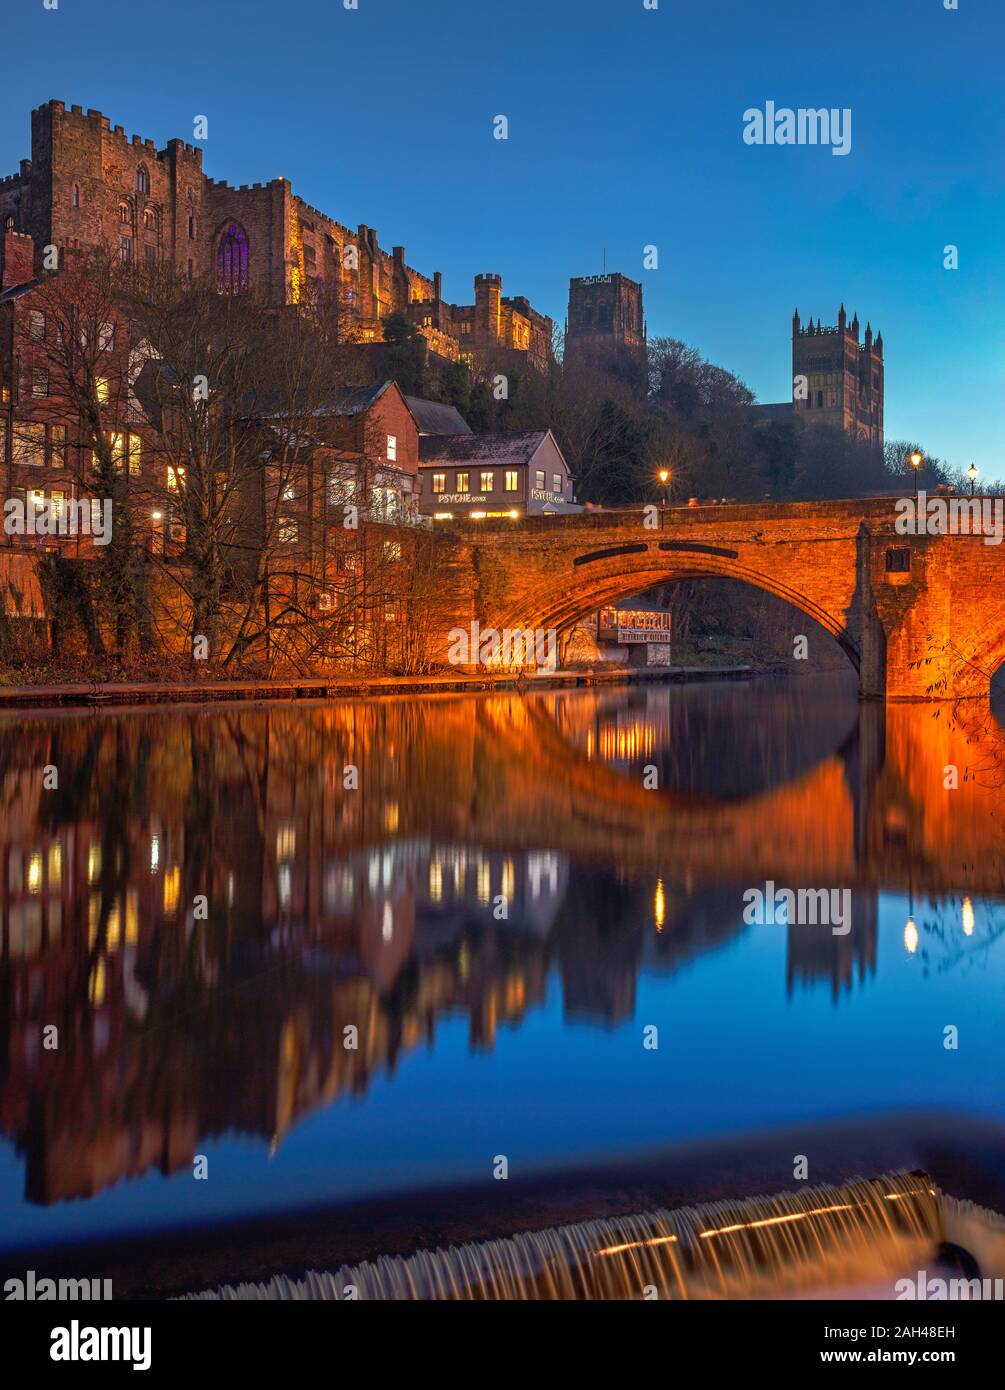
(865, 1233)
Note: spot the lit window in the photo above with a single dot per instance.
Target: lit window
(288, 531)
(392, 447)
(29, 445)
(439, 482)
(149, 221)
(57, 500)
(512, 480)
(57, 445)
(487, 481)
(463, 482)
(101, 389)
(124, 213)
(539, 477)
(392, 550)
(175, 478)
(286, 843)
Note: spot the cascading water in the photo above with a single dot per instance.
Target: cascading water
(863, 1233)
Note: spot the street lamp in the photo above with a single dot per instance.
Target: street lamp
(664, 477)
(916, 460)
(972, 475)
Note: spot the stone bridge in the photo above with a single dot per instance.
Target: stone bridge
(919, 617)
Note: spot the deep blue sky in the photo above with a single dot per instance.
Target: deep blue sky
(625, 130)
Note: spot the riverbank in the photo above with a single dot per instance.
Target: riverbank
(342, 687)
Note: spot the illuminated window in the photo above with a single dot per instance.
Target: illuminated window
(93, 862)
(286, 843)
(124, 213)
(101, 389)
(512, 480)
(149, 220)
(439, 482)
(487, 482)
(392, 550)
(463, 482)
(57, 500)
(232, 260)
(175, 478)
(35, 872)
(288, 531)
(392, 447)
(29, 445)
(539, 477)
(484, 881)
(55, 867)
(57, 446)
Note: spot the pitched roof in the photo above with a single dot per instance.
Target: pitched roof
(433, 417)
(512, 447)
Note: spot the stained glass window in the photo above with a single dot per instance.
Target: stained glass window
(232, 260)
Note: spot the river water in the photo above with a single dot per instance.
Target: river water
(328, 951)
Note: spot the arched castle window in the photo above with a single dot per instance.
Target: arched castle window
(149, 220)
(232, 260)
(142, 180)
(124, 213)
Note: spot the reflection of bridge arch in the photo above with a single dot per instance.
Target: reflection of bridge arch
(603, 581)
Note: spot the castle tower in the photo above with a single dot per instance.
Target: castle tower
(836, 380)
(605, 323)
(488, 309)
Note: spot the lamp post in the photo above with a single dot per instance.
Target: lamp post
(972, 475)
(916, 460)
(664, 477)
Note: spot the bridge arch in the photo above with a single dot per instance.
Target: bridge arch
(594, 583)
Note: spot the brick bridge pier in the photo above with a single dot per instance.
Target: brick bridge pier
(919, 617)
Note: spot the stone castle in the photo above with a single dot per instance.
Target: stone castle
(89, 184)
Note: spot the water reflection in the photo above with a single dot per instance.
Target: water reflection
(209, 902)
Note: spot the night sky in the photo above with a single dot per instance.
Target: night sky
(625, 130)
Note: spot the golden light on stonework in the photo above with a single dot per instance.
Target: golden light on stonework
(968, 917)
(659, 905)
(911, 936)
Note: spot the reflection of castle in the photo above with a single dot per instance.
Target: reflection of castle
(377, 908)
